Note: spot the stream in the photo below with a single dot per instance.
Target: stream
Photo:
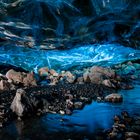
(88, 121)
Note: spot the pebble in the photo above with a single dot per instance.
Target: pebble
(62, 112)
(78, 105)
(114, 98)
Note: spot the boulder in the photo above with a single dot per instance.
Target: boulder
(132, 135)
(43, 71)
(13, 76)
(86, 77)
(53, 72)
(137, 66)
(108, 83)
(70, 78)
(78, 105)
(29, 80)
(129, 70)
(80, 80)
(108, 72)
(4, 85)
(114, 97)
(17, 106)
(96, 78)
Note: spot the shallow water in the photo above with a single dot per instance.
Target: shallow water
(94, 117)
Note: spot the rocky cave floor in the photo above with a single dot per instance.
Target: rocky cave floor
(24, 94)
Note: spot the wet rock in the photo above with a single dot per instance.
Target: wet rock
(69, 104)
(29, 80)
(86, 77)
(14, 76)
(126, 86)
(84, 99)
(2, 77)
(4, 85)
(108, 72)
(69, 96)
(17, 106)
(52, 72)
(62, 112)
(137, 66)
(132, 135)
(43, 71)
(96, 78)
(114, 97)
(116, 119)
(78, 105)
(135, 128)
(128, 70)
(130, 139)
(70, 77)
(80, 80)
(108, 84)
(113, 135)
(137, 122)
(68, 112)
(99, 99)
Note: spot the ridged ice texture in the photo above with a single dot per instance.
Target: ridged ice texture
(32, 32)
(78, 57)
(54, 24)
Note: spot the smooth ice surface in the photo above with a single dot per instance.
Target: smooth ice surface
(77, 57)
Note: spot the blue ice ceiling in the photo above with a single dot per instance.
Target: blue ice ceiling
(41, 26)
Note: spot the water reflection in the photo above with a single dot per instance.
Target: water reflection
(96, 116)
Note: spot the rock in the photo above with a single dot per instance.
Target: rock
(52, 72)
(114, 97)
(69, 96)
(29, 80)
(129, 70)
(96, 78)
(43, 71)
(54, 80)
(98, 74)
(133, 77)
(108, 72)
(16, 105)
(137, 66)
(62, 112)
(113, 135)
(70, 78)
(86, 77)
(2, 77)
(78, 105)
(80, 80)
(68, 112)
(116, 119)
(130, 139)
(137, 122)
(4, 85)
(108, 83)
(126, 86)
(132, 135)
(69, 103)
(129, 63)
(13, 76)
(99, 99)
(84, 99)
(136, 128)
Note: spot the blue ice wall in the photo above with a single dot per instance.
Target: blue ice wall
(68, 33)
